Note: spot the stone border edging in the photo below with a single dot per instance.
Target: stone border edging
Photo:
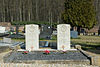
(93, 60)
(89, 57)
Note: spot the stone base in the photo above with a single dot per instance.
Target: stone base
(57, 57)
(55, 62)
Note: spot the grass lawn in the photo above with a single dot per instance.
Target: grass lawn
(88, 43)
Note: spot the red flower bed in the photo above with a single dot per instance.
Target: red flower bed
(47, 52)
(25, 52)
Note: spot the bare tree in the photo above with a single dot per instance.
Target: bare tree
(31, 10)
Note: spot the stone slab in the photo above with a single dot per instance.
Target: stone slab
(32, 37)
(2, 29)
(63, 37)
(74, 34)
(6, 40)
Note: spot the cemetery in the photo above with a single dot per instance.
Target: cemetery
(34, 50)
(49, 33)
(45, 52)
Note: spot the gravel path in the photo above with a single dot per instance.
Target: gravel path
(76, 55)
(2, 55)
(70, 55)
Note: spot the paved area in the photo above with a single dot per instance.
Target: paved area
(43, 65)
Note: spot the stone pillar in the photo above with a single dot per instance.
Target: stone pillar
(32, 37)
(63, 37)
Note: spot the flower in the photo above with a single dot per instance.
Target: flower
(25, 52)
(47, 52)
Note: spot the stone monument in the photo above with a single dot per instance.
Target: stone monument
(6, 40)
(2, 29)
(32, 37)
(63, 37)
(74, 34)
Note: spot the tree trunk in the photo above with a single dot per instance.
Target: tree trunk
(3, 11)
(20, 10)
(12, 19)
(37, 17)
